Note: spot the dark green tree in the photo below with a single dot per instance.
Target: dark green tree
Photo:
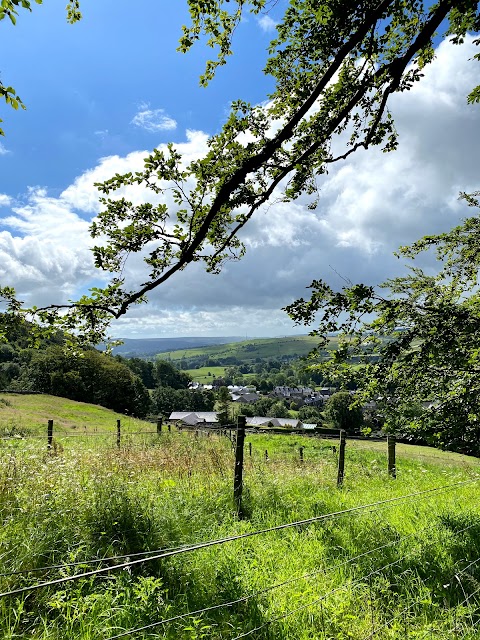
(340, 409)
(224, 401)
(166, 399)
(310, 414)
(420, 350)
(144, 369)
(169, 376)
(86, 376)
(278, 410)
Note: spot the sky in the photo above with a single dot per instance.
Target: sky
(101, 94)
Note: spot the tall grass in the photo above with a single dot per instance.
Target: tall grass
(88, 502)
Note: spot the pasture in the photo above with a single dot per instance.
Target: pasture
(248, 350)
(378, 558)
(206, 375)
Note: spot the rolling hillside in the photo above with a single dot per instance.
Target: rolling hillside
(145, 347)
(248, 350)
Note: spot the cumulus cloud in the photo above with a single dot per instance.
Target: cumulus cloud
(369, 205)
(3, 150)
(153, 120)
(267, 23)
(44, 250)
(4, 200)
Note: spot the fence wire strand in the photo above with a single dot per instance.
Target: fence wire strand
(241, 536)
(281, 584)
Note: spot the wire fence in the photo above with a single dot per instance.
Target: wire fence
(464, 611)
(415, 540)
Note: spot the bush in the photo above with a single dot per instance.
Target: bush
(340, 411)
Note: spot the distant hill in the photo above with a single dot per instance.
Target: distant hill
(249, 350)
(141, 347)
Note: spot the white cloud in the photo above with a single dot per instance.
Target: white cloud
(369, 205)
(44, 250)
(3, 150)
(267, 23)
(5, 200)
(153, 120)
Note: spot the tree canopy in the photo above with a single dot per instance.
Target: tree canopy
(335, 66)
(417, 337)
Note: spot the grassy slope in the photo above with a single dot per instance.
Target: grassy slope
(251, 349)
(177, 489)
(30, 413)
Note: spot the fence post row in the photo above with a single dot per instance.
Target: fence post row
(392, 468)
(341, 458)
(238, 476)
(118, 433)
(159, 425)
(301, 454)
(50, 434)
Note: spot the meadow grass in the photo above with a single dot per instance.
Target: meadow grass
(406, 569)
(29, 414)
(201, 375)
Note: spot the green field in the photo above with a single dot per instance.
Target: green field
(202, 376)
(407, 569)
(250, 349)
(29, 414)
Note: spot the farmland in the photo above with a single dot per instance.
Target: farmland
(402, 569)
(206, 375)
(248, 350)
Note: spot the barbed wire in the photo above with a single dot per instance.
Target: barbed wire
(281, 584)
(58, 436)
(324, 596)
(397, 615)
(249, 534)
(78, 563)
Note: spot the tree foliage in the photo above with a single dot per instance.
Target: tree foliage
(166, 399)
(417, 337)
(342, 411)
(9, 9)
(167, 375)
(335, 65)
(223, 403)
(86, 376)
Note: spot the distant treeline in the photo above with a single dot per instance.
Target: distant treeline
(87, 375)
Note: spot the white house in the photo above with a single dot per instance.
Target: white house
(194, 418)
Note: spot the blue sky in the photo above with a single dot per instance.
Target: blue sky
(103, 93)
(83, 84)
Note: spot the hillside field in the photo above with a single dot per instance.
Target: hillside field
(206, 375)
(376, 558)
(248, 350)
(29, 414)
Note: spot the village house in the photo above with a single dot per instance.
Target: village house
(194, 418)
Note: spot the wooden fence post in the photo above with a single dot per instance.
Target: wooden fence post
(50, 435)
(301, 454)
(238, 476)
(341, 458)
(118, 433)
(266, 455)
(392, 469)
(169, 427)
(250, 448)
(159, 425)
